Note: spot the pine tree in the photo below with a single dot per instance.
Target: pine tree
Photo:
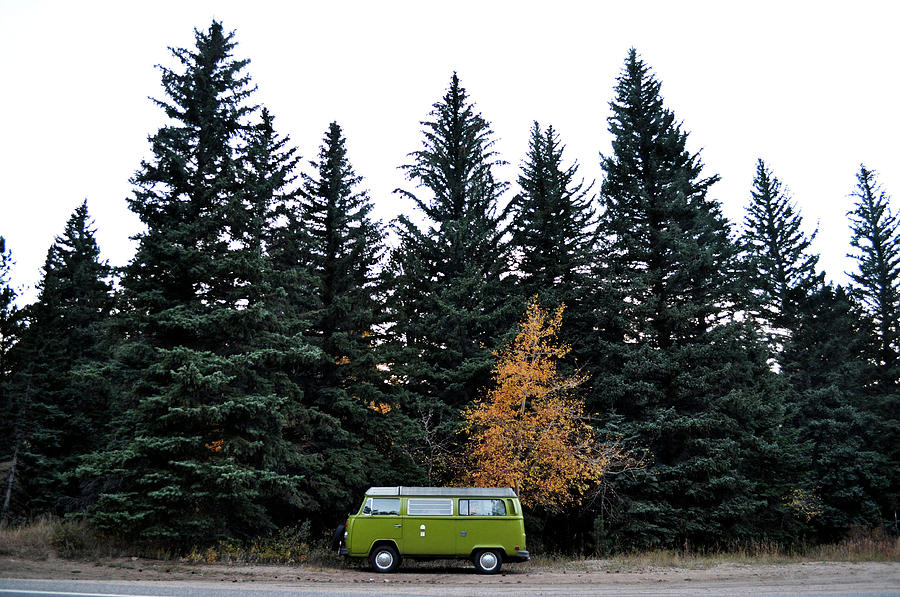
(344, 246)
(9, 315)
(8, 311)
(201, 454)
(682, 377)
(827, 364)
(63, 411)
(552, 238)
(449, 302)
(876, 238)
(9, 428)
(550, 224)
(268, 176)
(340, 248)
(268, 182)
(780, 268)
(877, 242)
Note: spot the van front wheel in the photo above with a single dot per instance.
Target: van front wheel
(384, 558)
(488, 561)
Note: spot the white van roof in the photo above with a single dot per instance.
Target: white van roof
(443, 491)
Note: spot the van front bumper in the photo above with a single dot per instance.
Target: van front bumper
(343, 551)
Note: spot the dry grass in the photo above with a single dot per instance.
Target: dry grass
(33, 541)
(859, 546)
(49, 537)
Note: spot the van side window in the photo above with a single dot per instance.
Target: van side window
(482, 508)
(429, 507)
(382, 506)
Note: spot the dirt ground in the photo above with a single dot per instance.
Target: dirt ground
(594, 576)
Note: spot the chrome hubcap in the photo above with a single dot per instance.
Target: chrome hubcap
(488, 560)
(384, 559)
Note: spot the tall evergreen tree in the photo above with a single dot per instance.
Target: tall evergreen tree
(450, 300)
(552, 237)
(270, 177)
(344, 246)
(340, 247)
(680, 374)
(550, 224)
(876, 239)
(827, 365)
(877, 243)
(201, 453)
(8, 319)
(9, 332)
(63, 415)
(780, 268)
(9, 328)
(267, 179)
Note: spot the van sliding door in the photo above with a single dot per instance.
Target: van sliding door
(484, 522)
(429, 527)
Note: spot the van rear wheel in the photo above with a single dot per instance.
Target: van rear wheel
(384, 558)
(488, 561)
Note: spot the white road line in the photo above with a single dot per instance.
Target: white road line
(66, 594)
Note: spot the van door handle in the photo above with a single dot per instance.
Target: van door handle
(397, 526)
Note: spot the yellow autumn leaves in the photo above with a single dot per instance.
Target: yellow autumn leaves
(530, 431)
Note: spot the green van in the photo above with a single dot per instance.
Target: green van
(483, 524)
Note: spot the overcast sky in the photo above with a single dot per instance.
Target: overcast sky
(811, 87)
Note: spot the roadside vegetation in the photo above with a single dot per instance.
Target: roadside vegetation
(49, 538)
(860, 546)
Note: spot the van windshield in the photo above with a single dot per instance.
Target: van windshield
(382, 507)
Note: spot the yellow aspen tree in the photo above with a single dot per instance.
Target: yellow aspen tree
(530, 432)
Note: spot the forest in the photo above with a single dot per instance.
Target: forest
(645, 373)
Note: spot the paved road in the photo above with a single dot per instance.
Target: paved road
(42, 588)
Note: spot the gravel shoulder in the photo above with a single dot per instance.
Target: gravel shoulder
(595, 577)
